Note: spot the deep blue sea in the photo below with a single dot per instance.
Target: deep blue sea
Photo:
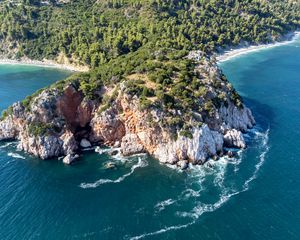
(255, 197)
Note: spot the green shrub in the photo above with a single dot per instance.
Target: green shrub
(39, 128)
(186, 133)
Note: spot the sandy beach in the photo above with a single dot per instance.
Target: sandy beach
(45, 63)
(235, 52)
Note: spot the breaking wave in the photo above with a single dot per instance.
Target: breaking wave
(141, 164)
(7, 145)
(226, 193)
(15, 155)
(163, 204)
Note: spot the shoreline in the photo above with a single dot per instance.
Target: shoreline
(225, 55)
(229, 54)
(45, 63)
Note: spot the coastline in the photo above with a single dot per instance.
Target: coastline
(44, 63)
(228, 54)
(223, 56)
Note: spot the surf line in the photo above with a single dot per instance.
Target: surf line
(141, 163)
(15, 155)
(225, 198)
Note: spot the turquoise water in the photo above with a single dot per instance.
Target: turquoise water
(256, 196)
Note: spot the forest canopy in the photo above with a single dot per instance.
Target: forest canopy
(93, 32)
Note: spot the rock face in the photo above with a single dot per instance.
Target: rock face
(203, 144)
(107, 127)
(234, 138)
(60, 123)
(7, 129)
(42, 146)
(131, 144)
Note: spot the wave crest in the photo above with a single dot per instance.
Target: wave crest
(226, 195)
(141, 164)
(15, 155)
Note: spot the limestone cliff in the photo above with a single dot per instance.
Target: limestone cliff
(62, 122)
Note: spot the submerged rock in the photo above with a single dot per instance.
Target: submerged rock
(110, 165)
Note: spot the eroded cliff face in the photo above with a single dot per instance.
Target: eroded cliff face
(57, 123)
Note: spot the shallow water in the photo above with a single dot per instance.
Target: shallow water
(255, 196)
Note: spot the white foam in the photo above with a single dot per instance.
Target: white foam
(7, 145)
(262, 157)
(15, 155)
(188, 193)
(184, 196)
(102, 150)
(163, 230)
(141, 163)
(225, 196)
(163, 204)
(88, 149)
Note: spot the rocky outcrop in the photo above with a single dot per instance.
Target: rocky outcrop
(7, 129)
(61, 123)
(70, 159)
(50, 128)
(203, 144)
(70, 145)
(234, 138)
(158, 141)
(237, 118)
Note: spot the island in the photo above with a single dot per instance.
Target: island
(147, 81)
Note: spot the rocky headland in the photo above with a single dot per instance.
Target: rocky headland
(62, 120)
(149, 82)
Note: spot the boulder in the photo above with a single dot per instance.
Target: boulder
(117, 144)
(231, 154)
(70, 158)
(85, 143)
(107, 127)
(110, 165)
(44, 147)
(183, 164)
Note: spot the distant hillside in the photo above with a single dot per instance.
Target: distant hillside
(93, 32)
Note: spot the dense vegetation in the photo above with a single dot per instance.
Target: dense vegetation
(93, 31)
(143, 42)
